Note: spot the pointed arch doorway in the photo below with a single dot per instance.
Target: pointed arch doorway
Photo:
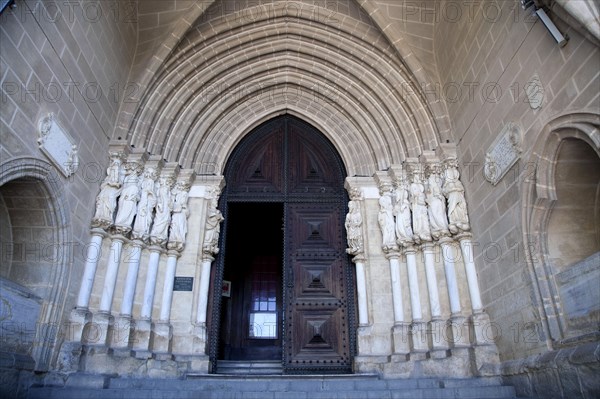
(291, 294)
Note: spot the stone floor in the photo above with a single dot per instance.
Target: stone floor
(272, 387)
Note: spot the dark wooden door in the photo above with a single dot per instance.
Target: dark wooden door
(317, 334)
(288, 163)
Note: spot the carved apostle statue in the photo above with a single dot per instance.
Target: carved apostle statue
(386, 222)
(143, 218)
(106, 202)
(354, 228)
(213, 228)
(404, 230)
(419, 210)
(436, 206)
(162, 218)
(130, 195)
(457, 205)
(179, 217)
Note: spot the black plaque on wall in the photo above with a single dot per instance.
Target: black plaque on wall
(183, 283)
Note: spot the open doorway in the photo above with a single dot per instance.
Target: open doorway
(251, 308)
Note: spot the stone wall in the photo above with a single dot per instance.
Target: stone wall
(491, 54)
(71, 59)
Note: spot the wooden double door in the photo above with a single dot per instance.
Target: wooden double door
(291, 282)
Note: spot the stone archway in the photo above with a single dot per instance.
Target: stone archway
(290, 165)
(543, 204)
(40, 237)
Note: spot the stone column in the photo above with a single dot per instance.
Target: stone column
(466, 247)
(361, 291)
(458, 323)
(210, 248)
(207, 260)
(91, 263)
(163, 330)
(81, 315)
(401, 329)
(419, 344)
(123, 322)
(485, 347)
(438, 325)
(103, 319)
(144, 324)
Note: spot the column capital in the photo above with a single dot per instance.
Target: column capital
(392, 254)
(173, 253)
(208, 256)
(96, 231)
(119, 237)
(428, 245)
(156, 248)
(137, 243)
(409, 249)
(464, 235)
(359, 258)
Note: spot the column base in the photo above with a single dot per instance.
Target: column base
(199, 342)
(98, 332)
(440, 341)
(363, 337)
(141, 339)
(419, 348)
(401, 339)
(122, 334)
(459, 332)
(483, 330)
(78, 319)
(162, 332)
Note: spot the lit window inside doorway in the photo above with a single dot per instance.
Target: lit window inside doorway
(263, 311)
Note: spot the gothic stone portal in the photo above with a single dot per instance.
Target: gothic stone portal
(292, 295)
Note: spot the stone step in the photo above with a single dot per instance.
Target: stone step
(233, 367)
(274, 387)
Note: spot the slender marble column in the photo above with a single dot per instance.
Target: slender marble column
(91, 263)
(413, 283)
(112, 269)
(466, 247)
(458, 323)
(143, 330)
(439, 343)
(203, 291)
(432, 287)
(361, 289)
(165, 309)
(123, 326)
(453, 293)
(131, 279)
(401, 328)
(420, 342)
(394, 258)
(149, 288)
